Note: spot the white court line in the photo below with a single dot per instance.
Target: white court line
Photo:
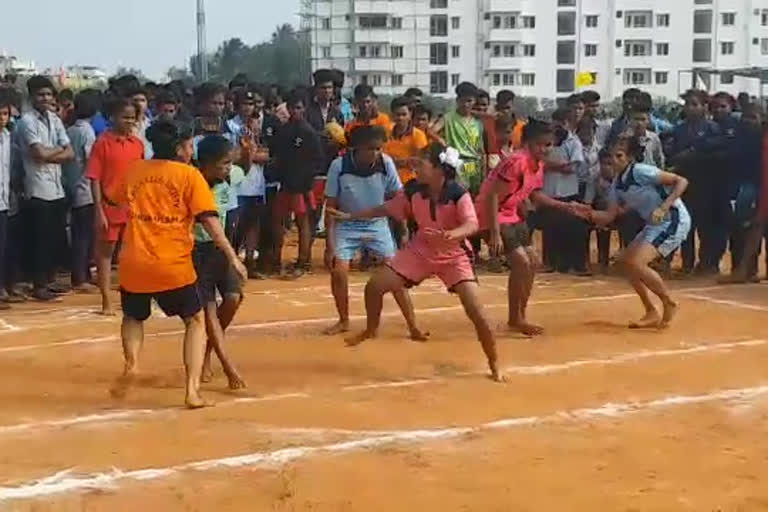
(69, 481)
(519, 370)
(725, 302)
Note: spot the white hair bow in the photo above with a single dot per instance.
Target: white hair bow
(450, 157)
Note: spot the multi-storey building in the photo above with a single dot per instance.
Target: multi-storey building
(544, 48)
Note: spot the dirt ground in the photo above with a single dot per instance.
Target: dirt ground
(594, 416)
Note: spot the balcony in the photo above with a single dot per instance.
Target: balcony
(372, 6)
(374, 35)
(508, 34)
(385, 65)
(511, 5)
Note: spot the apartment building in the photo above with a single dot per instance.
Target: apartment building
(544, 48)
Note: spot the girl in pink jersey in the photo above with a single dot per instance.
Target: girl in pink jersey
(445, 216)
(500, 206)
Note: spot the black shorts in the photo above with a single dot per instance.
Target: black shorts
(515, 236)
(183, 302)
(214, 272)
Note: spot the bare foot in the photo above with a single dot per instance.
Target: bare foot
(107, 309)
(236, 381)
(337, 328)
(526, 328)
(670, 311)
(357, 339)
(417, 335)
(207, 375)
(651, 319)
(123, 384)
(195, 401)
(496, 376)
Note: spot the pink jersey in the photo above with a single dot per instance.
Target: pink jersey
(453, 209)
(521, 176)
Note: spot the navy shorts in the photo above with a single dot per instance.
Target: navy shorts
(183, 302)
(214, 272)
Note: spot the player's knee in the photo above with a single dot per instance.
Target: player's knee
(198, 319)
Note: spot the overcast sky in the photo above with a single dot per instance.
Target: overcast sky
(148, 34)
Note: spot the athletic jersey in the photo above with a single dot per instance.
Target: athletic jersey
(638, 189)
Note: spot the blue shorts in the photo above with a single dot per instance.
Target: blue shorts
(353, 237)
(670, 234)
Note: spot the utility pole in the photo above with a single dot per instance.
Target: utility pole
(202, 53)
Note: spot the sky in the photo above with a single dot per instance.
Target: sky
(151, 35)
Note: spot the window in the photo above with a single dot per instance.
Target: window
(508, 78)
(637, 76)
(638, 19)
(590, 50)
(566, 23)
(455, 79)
(438, 4)
(726, 78)
(438, 82)
(438, 53)
(764, 46)
(529, 21)
(528, 79)
(662, 20)
(510, 21)
(397, 23)
(373, 21)
(497, 50)
(764, 18)
(727, 48)
(591, 21)
(529, 50)
(662, 48)
(325, 52)
(364, 79)
(637, 48)
(702, 22)
(397, 80)
(438, 25)
(662, 77)
(566, 3)
(497, 22)
(509, 50)
(729, 18)
(325, 23)
(702, 50)
(397, 52)
(376, 80)
(455, 51)
(496, 79)
(703, 2)
(566, 52)
(376, 51)
(455, 22)
(566, 80)
(362, 51)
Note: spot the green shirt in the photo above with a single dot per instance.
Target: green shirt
(221, 198)
(465, 134)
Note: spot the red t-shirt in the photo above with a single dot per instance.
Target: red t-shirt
(110, 157)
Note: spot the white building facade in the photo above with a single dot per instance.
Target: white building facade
(543, 48)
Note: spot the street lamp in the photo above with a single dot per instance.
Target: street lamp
(202, 54)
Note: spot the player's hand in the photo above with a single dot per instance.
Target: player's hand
(102, 223)
(495, 243)
(658, 215)
(337, 214)
(580, 210)
(329, 257)
(240, 269)
(438, 233)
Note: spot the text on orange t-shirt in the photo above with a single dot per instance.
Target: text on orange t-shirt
(163, 198)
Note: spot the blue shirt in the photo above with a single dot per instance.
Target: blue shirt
(358, 189)
(558, 184)
(638, 189)
(42, 180)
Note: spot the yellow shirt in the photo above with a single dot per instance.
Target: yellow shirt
(163, 199)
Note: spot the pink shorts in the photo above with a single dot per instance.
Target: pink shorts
(112, 234)
(415, 268)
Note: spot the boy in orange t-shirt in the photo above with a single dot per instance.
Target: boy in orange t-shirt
(111, 155)
(405, 141)
(164, 197)
(367, 110)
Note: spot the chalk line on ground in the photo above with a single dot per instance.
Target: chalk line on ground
(69, 481)
(118, 415)
(726, 302)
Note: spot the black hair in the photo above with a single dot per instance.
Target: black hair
(561, 114)
(296, 96)
(698, 94)
(213, 148)
(38, 82)
(573, 99)
(422, 109)
(166, 136)
(117, 105)
(466, 90)
(413, 92)
(639, 107)
(238, 81)
(338, 78)
(366, 134)
(166, 97)
(122, 84)
(399, 102)
(87, 103)
(135, 91)
(604, 154)
(504, 96)
(630, 144)
(323, 76)
(207, 91)
(631, 93)
(724, 96)
(481, 93)
(241, 95)
(535, 129)
(6, 98)
(590, 97)
(65, 95)
(432, 153)
(363, 91)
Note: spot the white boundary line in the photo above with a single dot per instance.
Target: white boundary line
(726, 302)
(68, 481)
(547, 369)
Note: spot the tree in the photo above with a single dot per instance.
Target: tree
(178, 73)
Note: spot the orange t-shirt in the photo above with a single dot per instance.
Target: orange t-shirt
(163, 199)
(517, 134)
(381, 120)
(110, 156)
(407, 146)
